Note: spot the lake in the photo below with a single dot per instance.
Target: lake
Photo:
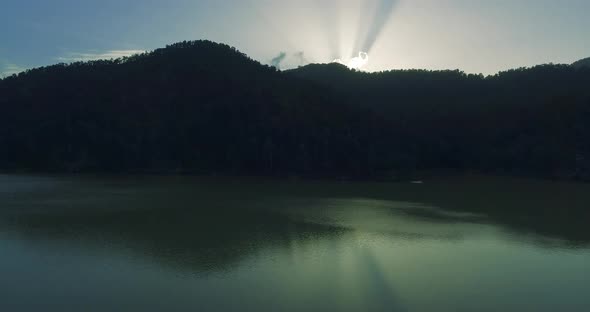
(153, 243)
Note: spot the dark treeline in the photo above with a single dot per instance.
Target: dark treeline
(202, 107)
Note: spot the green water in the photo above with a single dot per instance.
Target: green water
(81, 243)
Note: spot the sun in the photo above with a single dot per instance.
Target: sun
(357, 62)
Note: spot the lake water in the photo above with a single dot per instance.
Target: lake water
(139, 243)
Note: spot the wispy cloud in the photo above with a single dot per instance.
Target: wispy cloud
(91, 56)
(7, 69)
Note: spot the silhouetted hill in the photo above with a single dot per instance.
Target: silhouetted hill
(192, 106)
(204, 107)
(324, 73)
(582, 63)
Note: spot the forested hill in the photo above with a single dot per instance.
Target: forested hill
(203, 107)
(582, 63)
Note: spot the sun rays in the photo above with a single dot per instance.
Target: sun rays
(343, 31)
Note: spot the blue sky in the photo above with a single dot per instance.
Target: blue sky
(472, 35)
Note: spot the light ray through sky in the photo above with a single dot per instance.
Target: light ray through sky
(371, 27)
(343, 30)
(478, 36)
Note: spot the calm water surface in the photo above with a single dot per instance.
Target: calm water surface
(80, 243)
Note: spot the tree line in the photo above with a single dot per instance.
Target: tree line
(206, 108)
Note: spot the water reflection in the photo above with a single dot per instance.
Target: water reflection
(330, 246)
(207, 224)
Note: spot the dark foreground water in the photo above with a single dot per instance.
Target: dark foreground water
(194, 244)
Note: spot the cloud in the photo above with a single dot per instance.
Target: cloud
(92, 56)
(276, 62)
(8, 69)
(289, 60)
(300, 58)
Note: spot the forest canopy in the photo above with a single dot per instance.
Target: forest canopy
(206, 108)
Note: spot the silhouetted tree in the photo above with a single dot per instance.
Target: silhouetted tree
(202, 107)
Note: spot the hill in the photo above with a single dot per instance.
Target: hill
(203, 107)
(584, 63)
(190, 107)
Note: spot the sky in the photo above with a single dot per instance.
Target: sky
(476, 36)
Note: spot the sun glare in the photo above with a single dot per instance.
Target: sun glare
(357, 62)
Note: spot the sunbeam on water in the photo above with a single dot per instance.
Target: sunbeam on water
(139, 243)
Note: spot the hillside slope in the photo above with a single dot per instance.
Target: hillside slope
(583, 63)
(203, 107)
